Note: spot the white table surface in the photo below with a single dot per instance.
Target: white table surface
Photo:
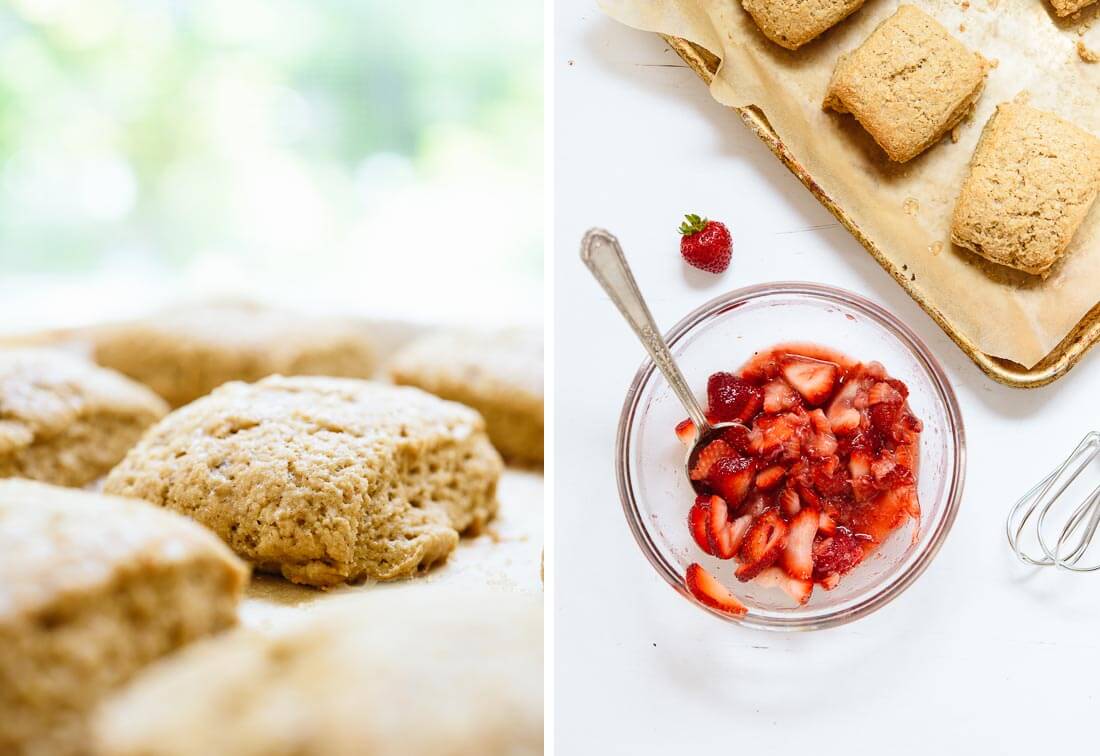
(980, 651)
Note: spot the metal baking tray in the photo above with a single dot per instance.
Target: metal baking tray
(1056, 364)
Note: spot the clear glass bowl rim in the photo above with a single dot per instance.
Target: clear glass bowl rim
(904, 334)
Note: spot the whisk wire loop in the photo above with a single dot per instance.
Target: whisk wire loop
(1080, 527)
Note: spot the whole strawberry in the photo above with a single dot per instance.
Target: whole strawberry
(706, 244)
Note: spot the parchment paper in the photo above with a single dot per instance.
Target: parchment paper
(907, 209)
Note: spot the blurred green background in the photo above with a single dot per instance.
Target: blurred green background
(385, 156)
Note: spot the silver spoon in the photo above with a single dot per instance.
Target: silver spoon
(600, 251)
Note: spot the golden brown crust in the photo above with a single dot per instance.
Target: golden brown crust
(908, 84)
(793, 23)
(1032, 180)
(65, 420)
(1069, 7)
(186, 353)
(324, 480)
(498, 374)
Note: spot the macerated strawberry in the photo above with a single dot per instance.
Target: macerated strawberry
(715, 524)
(762, 546)
(813, 379)
(697, 522)
(836, 555)
(781, 435)
(822, 443)
(883, 392)
(708, 457)
(829, 478)
(859, 462)
(706, 588)
(731, 478)
(685, 431)
(843, 414)
(740, 437)
(731, 399)
(798, 558)
(789, 502)
(779, 397)
(797, 588)
(723, 535)
(769, 478)
(826, 525)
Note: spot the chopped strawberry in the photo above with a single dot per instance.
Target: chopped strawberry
(829, 478)
(844, 417)
(819, 466)
(813, 379)
(706, 588)
(685, 431)
(731, 478)
(762, 546)
(723, 535)
(836, 555)
(730, 399)
(741, 438)
(797, 588)
(823, 442)
(779, 397)
(798, 558)
(697, 518)
(708, 457)
(781, 435)
(883, 392)
(714, 524)
(770, 477)
(789, 502)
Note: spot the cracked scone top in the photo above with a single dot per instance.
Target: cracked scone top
(421, 672)
(65, 420)
(324, 480)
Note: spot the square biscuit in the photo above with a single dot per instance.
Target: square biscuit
(1067, 7)
(793, 23)
(1032, 180)
(92, 589)
(324, 480)
(908, 84)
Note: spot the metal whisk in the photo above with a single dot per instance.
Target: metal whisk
(1079, 528)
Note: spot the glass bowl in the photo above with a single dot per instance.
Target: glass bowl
(722, 335)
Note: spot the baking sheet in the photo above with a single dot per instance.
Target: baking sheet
(905, 210)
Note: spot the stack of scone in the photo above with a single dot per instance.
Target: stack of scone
(1033, 177)
(318, 477)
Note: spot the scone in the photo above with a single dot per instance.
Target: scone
(396, 673)
(908, 84)
(92, 588)
(65, 420)
(324, 480)
(793, 23)
(1032, 180)
(499, 375)
(186, 353)
(1068, 7)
